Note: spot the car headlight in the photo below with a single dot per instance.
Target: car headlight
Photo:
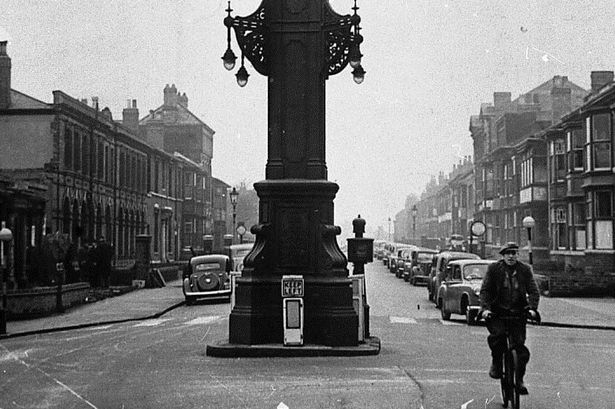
(477, 291)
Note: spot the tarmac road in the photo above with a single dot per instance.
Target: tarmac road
(160, 362)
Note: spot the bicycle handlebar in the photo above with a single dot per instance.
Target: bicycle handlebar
(520, 317)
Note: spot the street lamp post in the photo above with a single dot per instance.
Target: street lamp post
(414, 213)
(234, 196)
(6, 235)
(528, 223)
(389, 229)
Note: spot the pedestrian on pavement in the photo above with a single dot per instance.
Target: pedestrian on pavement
(508, 289)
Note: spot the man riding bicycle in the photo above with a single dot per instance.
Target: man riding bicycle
(508, 289)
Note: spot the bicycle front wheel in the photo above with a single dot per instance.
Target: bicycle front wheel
(515, 402)
(506, 382)
(504, 388)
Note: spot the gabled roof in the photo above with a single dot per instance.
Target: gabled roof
(551, 83)
(22, 101)
(219, 182)
(184, 116)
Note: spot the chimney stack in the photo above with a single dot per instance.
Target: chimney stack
(501, 101)
(600, 79)
(5, 77)
(130, 116)
(561, 98)
(170, 96)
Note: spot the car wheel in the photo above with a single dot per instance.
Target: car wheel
(412, 281)
(445, 314)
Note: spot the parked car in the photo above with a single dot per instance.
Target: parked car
(207, 277)
(459, 292)
(379, 249)
(416, 270)
(386, 252)
(405, 256)
(438, 270)
(238, 253)
(397, 257)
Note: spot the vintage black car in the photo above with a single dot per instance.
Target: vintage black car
(207, 277)
(416, 270)
(460, 290)
(438, 270)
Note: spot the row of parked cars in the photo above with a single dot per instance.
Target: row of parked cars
(453, 279)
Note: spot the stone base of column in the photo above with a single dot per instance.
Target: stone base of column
(295, 236)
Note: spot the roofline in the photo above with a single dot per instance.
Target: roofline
(189, 111)
(31, 97)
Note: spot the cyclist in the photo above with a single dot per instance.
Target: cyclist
(508, 288)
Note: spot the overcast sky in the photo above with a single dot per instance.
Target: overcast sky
(430, 64)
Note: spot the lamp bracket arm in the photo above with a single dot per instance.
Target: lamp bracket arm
(252, 34)
(339, 38)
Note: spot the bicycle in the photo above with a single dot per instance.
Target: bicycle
(509, 382)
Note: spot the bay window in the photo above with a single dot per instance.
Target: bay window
(577, 228)
(600, 223)
(599, 145)
(575, 150)
(558, 161)
(559, 228)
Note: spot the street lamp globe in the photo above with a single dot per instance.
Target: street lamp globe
(234, 195)
(242, 76)
(414, 211)
(528, 222)
(5, 234)
(358, 74)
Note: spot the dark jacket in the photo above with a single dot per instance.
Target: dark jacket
(496, 293)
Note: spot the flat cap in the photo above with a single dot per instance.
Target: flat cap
(511, 245)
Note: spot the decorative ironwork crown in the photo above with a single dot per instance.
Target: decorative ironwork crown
(343, 41)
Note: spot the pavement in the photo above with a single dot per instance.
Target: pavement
(150, 303)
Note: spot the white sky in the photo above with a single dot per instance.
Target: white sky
(430, 64)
